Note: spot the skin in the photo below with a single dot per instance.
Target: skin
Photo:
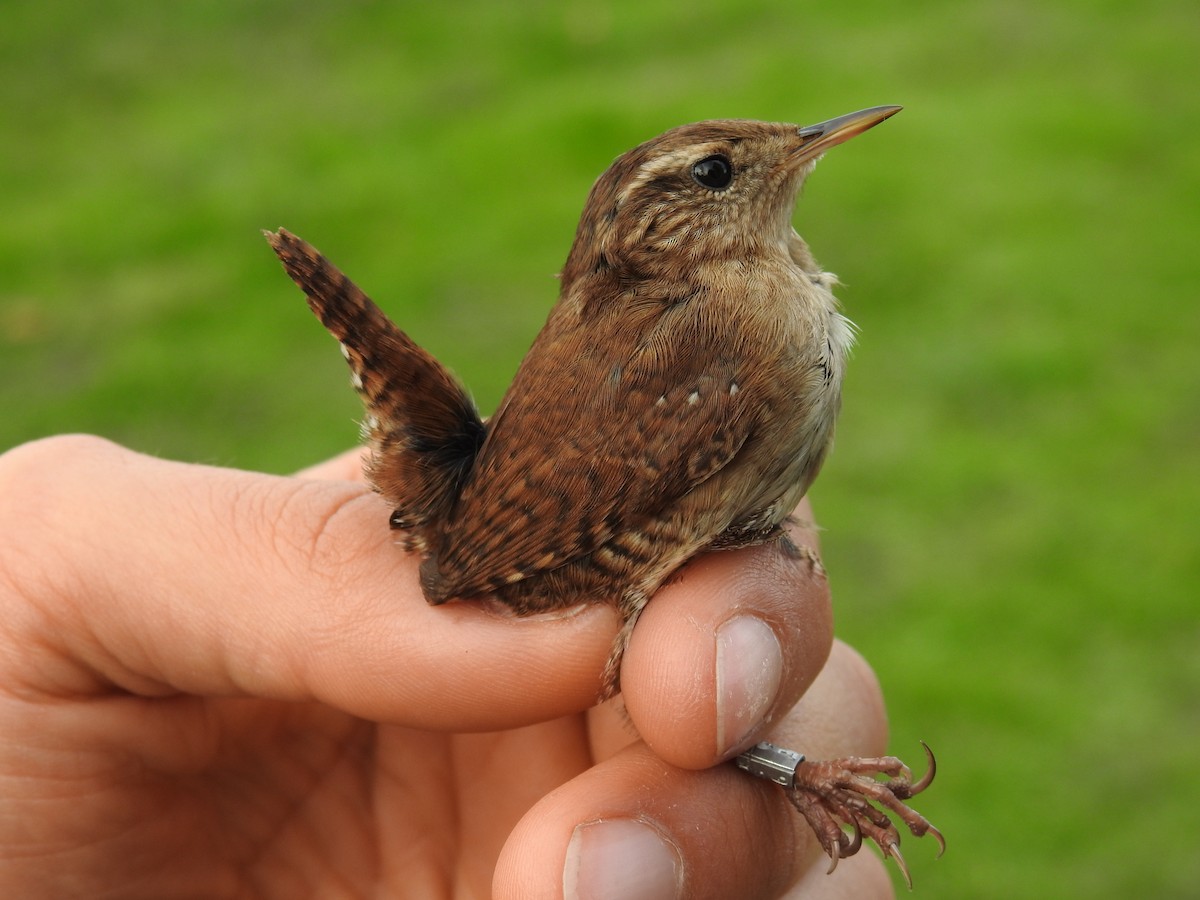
(226, 684)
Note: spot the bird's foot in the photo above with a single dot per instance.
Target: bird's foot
(834, 795)
(837, 794)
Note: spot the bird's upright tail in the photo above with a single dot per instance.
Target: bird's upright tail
(421, 425)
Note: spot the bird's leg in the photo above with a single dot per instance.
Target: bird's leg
(630, 607)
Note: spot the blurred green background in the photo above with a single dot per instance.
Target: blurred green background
(1011, 510)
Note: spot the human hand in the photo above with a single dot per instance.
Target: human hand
(221, 683)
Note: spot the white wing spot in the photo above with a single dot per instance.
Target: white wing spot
(693, 398)
(356, 380)
(345, 350)
(733, 388)
(661, 401)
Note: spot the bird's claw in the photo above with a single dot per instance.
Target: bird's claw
(836, 795)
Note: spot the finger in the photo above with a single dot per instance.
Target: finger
(725, 649)
(347, 466)
(860, 877)
(157, 577)
(852, 716)
(634, 823)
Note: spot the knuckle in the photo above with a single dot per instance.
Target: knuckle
(40, 482)
(36, 462)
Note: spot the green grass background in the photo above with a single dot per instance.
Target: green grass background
(1011, 510)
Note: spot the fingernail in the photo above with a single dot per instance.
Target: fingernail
(749, 669)
(620, 858)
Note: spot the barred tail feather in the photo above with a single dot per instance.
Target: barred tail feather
(421, 425)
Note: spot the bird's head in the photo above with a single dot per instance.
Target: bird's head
(712, 190)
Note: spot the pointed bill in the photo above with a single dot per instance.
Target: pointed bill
(816, 139)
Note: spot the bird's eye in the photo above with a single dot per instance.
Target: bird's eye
(713, 172)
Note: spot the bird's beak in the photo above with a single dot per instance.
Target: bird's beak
(816, 139)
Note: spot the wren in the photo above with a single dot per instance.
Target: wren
(681, 397)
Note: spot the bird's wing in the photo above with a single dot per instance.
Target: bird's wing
(564, 471)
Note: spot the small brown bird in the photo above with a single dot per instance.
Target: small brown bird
(680, 398)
